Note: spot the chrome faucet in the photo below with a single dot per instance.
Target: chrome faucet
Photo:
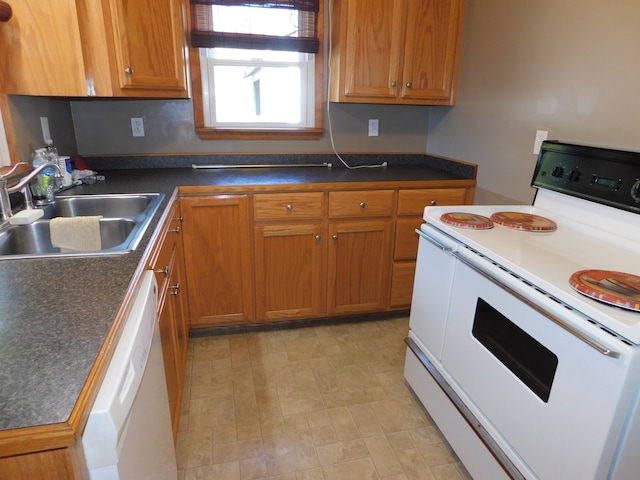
(8, 186)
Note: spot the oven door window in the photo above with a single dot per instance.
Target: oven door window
(524, 356)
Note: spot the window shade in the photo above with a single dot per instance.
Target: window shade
(209, 29)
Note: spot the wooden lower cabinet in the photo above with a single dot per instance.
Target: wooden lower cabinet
(358, 266)
(218, 259)
(411, 203)
(289, 271)
(168, 266)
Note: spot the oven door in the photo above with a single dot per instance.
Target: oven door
(552, 387)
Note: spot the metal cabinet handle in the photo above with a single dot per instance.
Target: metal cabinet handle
(289, 207)
(175, 288)
(335, 237)
(174, 230)
(318, 238)
(128, 71)
(434, 202)
(362, 204)
(394, 84)
(164, 271)
(409, 85)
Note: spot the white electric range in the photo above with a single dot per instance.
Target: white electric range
(525, 324)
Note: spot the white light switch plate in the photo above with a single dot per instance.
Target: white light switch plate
(46, 133)
(541, 136)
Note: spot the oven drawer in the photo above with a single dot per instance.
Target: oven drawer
(534, 380)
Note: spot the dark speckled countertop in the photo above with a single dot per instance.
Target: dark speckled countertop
(56, 313)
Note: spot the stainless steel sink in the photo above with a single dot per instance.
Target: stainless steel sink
(109, 206)
(125, 219)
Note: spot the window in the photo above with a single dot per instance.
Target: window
(257, 68)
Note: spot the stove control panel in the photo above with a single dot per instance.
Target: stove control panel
(610, 177)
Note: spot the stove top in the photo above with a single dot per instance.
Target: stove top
(586, 216)
(588, 237)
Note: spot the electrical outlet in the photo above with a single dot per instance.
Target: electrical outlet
(541, 136)
(374, 125)
(137, 126)
(46, 133)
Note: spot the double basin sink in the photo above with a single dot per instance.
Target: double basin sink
(125, 218)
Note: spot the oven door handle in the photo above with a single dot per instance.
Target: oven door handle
(434, 241)
(603, 349)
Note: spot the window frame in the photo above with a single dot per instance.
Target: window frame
(205, 132)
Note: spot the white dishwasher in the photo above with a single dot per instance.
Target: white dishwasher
(128, 434)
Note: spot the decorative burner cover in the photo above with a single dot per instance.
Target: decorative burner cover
(467, 220)
(615, 288)
(524, 221)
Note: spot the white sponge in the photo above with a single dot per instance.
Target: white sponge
(24, 217)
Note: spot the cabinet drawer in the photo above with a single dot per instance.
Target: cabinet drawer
(412, 202)
(285, 206)
(364, 203)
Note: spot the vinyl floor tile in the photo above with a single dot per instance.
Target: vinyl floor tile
(313, 403)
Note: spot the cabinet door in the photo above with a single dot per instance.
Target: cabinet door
(433, 32)
(41, 50)
(167, 323)
(402, 284)
(358, 266)
(372, 34)
(218, 259)
(289, 277)
(149, 44)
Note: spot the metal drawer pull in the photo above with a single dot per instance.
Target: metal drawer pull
(434, 203)
(467, 414)
(394, 84)
(603, 349)
(289, 207)
(128, 71)
(362, 205)
(335, 237)
(175, 289)
(164, 271)
(318, 238)
(174, 230)
(433, 241)
(409, 85)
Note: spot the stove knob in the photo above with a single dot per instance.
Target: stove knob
(635, 191)
(574, 175)
(558, 172)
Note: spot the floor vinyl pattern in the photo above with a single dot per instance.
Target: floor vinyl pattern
(313, 403)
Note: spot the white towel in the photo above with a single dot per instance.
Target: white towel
(76, 233)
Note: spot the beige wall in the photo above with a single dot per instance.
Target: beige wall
(568, 66)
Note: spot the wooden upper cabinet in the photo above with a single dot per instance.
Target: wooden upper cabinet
(84, 48)
(396, 51)
(149, 44)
